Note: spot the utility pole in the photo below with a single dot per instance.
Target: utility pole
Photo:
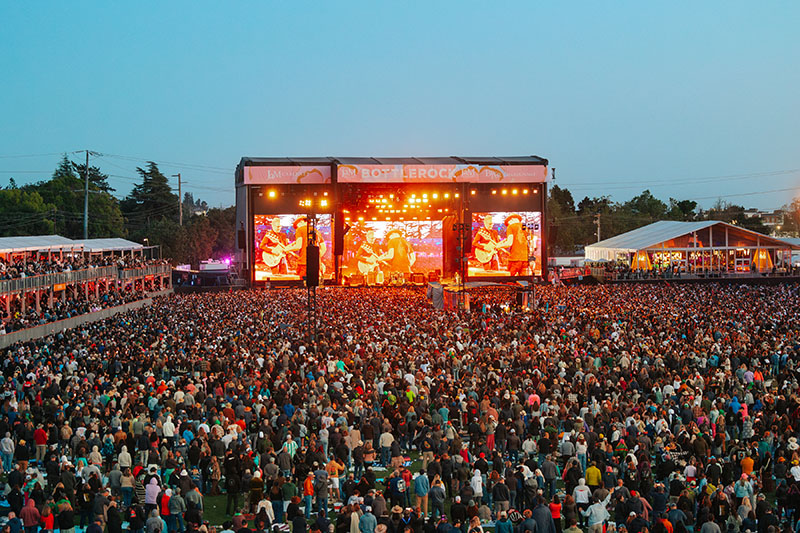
(180, 199)
(597, 222)
(86, 198)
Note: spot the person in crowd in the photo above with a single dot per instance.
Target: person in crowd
(667, 405)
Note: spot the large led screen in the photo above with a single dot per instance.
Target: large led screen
(506, 244)
(390, 250)
(280, 246)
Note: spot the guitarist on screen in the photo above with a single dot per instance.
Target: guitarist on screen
(369, 257)
(485, 245)
(300, 245)
(273, 248)
(400, 255)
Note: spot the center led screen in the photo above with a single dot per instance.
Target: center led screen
(392, 249)
(506, 244)
(280, 246)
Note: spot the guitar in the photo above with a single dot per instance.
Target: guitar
(274, 255)
(369, 264)
(487, 251)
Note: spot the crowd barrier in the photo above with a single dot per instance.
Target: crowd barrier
(48, 280)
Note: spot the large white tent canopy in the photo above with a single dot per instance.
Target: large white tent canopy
(37, 243)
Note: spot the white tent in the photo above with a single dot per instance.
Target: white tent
(109, 245)
(37, 243)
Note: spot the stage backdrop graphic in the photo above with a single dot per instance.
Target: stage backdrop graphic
(501, 249)
(275, 233)
(499, 174)
(286, 175)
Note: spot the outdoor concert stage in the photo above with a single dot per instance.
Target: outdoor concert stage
(391, 221)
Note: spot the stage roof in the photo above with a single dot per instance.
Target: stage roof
(453, 160)
(37, 242)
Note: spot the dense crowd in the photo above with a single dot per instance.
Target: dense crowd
(37, 265)
(623, 271)
(18, 319)
(658, 408)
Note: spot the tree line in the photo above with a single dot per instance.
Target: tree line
(573, 226)
(148, 214)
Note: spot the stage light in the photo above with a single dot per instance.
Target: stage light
(425, 196)
(457, 195)
(494, 191)
(446, 209)
(347, 219)
(524, 191)
(323, 203)
(360, 218)
(535, 191)
(325, 193)
(446, 195)
(505, 191)
(435, 196)
(384, 201)
(391, 196)
(374, 218)
(515, 191)
(271, 194)
(473, 192)
(413, 196)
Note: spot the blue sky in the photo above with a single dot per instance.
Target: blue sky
(688, 99)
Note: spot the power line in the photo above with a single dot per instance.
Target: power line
(13, 156)
(704, 179)
(745, 193)
(26, 171)
(193, 166)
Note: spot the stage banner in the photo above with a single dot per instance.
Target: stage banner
(442, 173)
(286, 175)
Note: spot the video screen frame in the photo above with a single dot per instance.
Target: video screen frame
(279, 246)
(505, 244)
(392, 250)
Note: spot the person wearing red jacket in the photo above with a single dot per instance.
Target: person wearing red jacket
(40, 438)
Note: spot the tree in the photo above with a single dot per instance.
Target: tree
(25, 213)
(682, 209)
(65, 191)
(736, 214)
(647, 205)
(791, 219)
(224, 222)
(562, 220)
(150, 200)
(96, 178)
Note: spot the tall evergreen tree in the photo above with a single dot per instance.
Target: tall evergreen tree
(152, 199)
